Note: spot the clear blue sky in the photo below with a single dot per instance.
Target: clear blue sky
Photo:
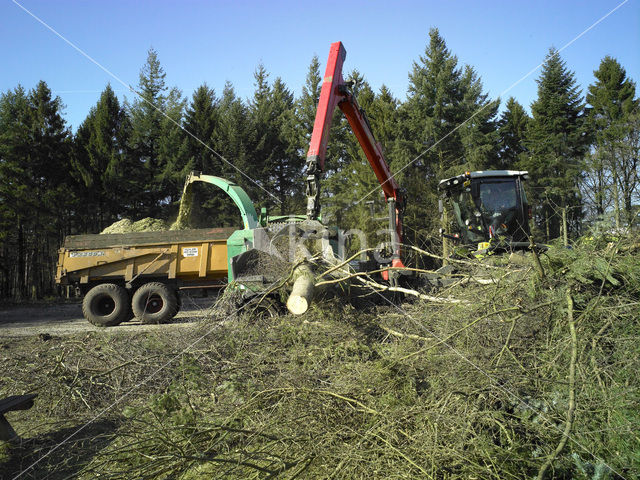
(216, 41)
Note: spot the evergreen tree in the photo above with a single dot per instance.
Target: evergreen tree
(306, 105)
(201, 120)
(477, 128)
(261, 140)
(233, 139)
(49, 157)
(147, 113)
(384, 118)
(102, 163)
(275, 164)
(196, 153)
(36, 191)
(447, 127)
(171, 155)
(285, 162)
(16, 201)
(556, 142)
(434, 107)
(512, 128)
(612, 170)
(50, 139)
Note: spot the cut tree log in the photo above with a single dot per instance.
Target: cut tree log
(302, 291)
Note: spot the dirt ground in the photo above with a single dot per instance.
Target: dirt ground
(67, 319)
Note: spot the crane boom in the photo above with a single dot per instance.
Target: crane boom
(335, 92)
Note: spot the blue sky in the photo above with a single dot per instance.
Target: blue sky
(216, 41)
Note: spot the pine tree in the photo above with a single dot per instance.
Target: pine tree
(102, 162)
(447, 127)
(171, 155)
(201, 120)
(232, 139)
(285, 162)
(306, 105)
(477, 127)
(434, 110)
(556, 142)
(262, 139)
(36, 191)
(276, 166)
(16, 201)
(612, 106)
(197, 153)
(512, 128)
(384, 118)
(50, 160)
(147, 112)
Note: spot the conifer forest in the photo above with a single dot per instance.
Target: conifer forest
(519, 365)
(130, 158)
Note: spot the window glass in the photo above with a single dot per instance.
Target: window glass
(498, 196)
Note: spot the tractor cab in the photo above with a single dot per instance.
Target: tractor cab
(489, 207)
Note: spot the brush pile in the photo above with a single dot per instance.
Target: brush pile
(524, 376)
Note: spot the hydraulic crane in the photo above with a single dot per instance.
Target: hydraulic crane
(336, 93)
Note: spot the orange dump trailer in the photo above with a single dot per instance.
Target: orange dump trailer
(139, 274)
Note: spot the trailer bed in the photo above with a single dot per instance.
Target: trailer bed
(181, 257)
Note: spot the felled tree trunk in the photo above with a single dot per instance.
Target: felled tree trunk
(313, 246)
(302, 291)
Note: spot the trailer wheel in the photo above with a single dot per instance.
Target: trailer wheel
(154, 302)
(106, 305)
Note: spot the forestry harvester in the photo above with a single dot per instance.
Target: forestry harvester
(490, 207)
(490, 210)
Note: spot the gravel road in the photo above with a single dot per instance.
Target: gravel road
(65, 319)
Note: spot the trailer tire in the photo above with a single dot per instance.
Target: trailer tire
(106, 305)
(154, 302)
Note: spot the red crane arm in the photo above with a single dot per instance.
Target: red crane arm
(326, 105)
(372, 149)
(335, 92)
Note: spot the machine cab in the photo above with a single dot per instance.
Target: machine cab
(489, 205)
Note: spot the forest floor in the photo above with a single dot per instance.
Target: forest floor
(511, 375)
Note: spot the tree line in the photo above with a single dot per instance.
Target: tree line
(130, 159)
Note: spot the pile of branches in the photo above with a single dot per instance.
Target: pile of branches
(510, 372)
(521, 376)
